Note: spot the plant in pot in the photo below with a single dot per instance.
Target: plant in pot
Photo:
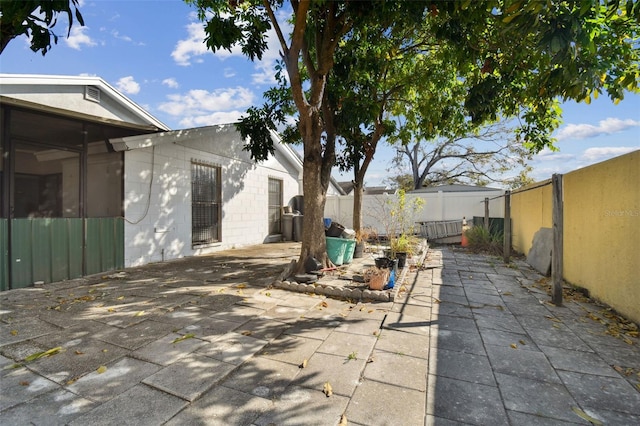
(399, 224)
(362, 236)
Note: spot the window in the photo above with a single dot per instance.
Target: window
(275, 206)
(205, 204)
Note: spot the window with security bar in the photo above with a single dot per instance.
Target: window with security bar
(275, 206)
(205, 204)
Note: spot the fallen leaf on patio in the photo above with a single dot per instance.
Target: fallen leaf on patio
(586, 417)
(362, 309)
(39, 355)
(70, 381)
(328, 390)
(507, 293)
(120, 298)
(14, 332)
(370, 360)
(554, 319)
(241, 286)
(105, 350)
(25, 383)
(375, 333)
(111, 310)
(324, 304)
(185, 337)
(267, 294)
(628, 341)
(246, 333)
(101, 369)
(522, 342)
(79, 353)
(343, 421)
(436, 300)
(556, 326)
(303, 364)
(513, 346)
(139, 314)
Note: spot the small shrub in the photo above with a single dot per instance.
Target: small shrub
(482, 240)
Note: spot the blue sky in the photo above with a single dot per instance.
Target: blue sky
(153, 52)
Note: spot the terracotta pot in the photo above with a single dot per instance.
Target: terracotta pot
(378, 279)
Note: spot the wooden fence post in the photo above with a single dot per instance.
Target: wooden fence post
(557, 253)
(486, 213)
(506, 252)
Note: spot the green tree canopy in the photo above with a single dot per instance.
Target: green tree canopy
(35, 19)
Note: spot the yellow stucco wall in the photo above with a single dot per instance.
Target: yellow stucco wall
(531, 210)
(602, 232)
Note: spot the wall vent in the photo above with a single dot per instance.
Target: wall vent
(92, 93)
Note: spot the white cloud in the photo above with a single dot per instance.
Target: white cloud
(128, 85)
(117, 35)
(604, 127)
(171, 83)
(187, 50)
(597, 154)
(201, 107)
(229, 72)
(548, 155)
(211, 119)
(265, 67)
(78, 38)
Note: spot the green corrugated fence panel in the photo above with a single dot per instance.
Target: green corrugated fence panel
(119, 229)
(93, 252)
(60, 260)
(74, 230)
(41, 249)
(4, 255)
(21, 241)
(107, 244)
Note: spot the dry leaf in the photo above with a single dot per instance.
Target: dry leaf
(120, 298)
(24, 383)
(436, 300)
(522, 342)
(39, 355)
(246, 333)
(507, 293)
(185, 337)
(139, 314)
(328, 390)
(514, 346)
(304, 364)
(587, 417)
(241, 286)
(324, 304)
(101, 369)
(111, 310)
(14, 332)
(343, 421)
(370, 360)
(79, 353)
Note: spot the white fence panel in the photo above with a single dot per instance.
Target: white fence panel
(437, 206)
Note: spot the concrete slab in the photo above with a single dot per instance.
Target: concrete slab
(398, 369)
(55, 407)
(460, 341)
(314, 328)
(139, 406)
(375, 403)
(211, 329)
(343, 344)
(449, 322)
(133, 337)
(286, 314)
(521, 363)
(237, 313)
(365, 327)
(402, 322)
(300, 406)
(557, 337)
(342, 373)
(539, 256)
(222, 407)
(190, 377)
(264, 328)
(405, 343)
(461, 366)
(465, 402)
(551, 400)
(262, 377)
(25, 330)
(578, 361)
(119, 377)
(22, 385)
(598, 392)
(164, 351)
(78, 357)
(505, 339)
(290, 349)
(233, 348)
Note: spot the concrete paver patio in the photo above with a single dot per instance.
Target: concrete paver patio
(206, 341)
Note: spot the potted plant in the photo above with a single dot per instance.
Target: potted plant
(362, 236)
(399, 221)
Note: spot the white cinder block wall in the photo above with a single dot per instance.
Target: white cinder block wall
(163, 231)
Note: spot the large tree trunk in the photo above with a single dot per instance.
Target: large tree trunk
(358, 192)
